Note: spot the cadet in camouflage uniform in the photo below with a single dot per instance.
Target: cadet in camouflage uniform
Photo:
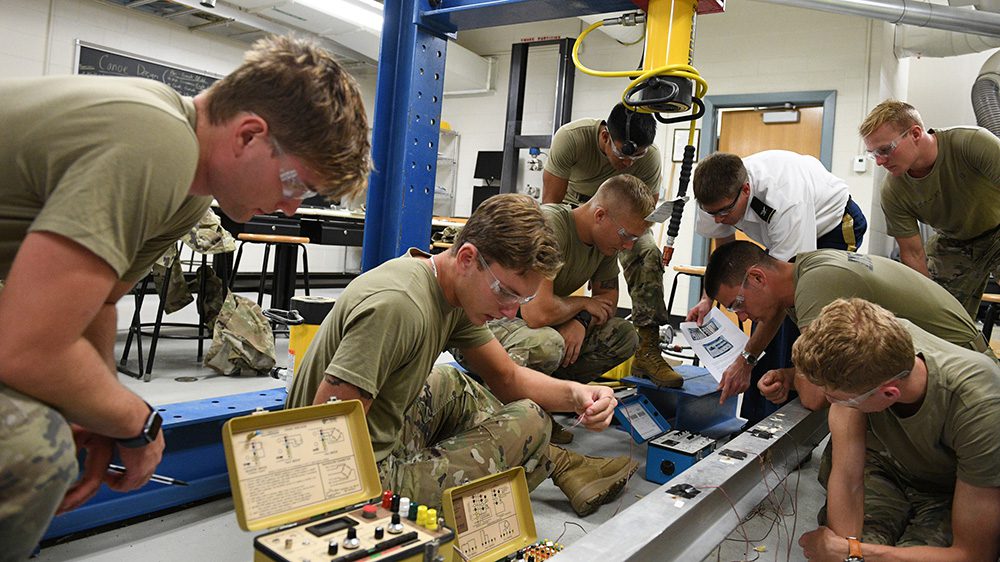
(583, 155)
(101, 176)
(802, 287)
(915, 424)
(788, 203)
(434, 428)
(578, 337)
(948, 179)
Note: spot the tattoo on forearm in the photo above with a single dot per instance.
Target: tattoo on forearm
(609, 284)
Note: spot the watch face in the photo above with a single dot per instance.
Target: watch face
(154, 426)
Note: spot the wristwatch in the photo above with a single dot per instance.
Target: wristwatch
(750, 358)
(854, 550)
(150, 430)
(583, 317)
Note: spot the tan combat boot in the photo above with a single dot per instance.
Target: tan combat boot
(588, 481)
(649, 362)
(560, 435)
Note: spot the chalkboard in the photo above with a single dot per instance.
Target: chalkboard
(92, 59)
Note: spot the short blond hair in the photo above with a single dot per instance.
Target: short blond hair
(625, 194)
(853, 346)
(511, 230)
(312, 106)
(899, 114)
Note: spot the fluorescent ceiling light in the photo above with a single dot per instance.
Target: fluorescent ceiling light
(363, 13)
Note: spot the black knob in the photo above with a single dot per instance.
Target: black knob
(332, 549)
(379, 533)
(667, 467)
(352, 533)
(395, 519)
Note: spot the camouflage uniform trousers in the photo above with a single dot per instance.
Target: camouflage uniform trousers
(643, 267)
(964, 266)
(242, 340)
(605, 346)
(456, 431)
(896, 512)
(37, 465)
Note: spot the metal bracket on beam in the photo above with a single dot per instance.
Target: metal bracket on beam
(663, 526)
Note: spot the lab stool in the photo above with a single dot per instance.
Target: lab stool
(283, 285)
(135, 330)
(692, 270)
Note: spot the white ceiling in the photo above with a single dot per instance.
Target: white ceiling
(249, 20)
(356, 46)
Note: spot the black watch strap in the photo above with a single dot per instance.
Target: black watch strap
(584, 318)
(149, 433)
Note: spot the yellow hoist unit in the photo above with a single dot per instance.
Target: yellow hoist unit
(667, 84)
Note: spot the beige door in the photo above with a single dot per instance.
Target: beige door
(743, 132)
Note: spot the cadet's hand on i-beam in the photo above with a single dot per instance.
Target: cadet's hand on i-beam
(775, 384)
(823, 544)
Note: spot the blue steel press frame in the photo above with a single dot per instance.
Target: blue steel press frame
(408, 100)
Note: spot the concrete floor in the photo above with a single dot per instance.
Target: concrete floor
(209, 531)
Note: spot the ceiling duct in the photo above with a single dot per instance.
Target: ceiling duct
(920, 14)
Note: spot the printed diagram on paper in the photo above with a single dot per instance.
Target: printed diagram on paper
(485, 518)
(717, 342)
(293, 466)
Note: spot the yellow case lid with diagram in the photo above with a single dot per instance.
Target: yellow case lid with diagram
(491, 516)
(289, 465)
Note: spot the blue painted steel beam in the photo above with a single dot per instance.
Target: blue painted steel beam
(408, 107)
(194, 454)
(453, 15)
(405, 135)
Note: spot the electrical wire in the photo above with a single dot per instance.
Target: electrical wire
(641, 77)
(631, 448)
(565, 528)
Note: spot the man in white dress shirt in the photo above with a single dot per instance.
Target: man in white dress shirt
(788, 203)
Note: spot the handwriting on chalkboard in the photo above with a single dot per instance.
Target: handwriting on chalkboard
(95, 60)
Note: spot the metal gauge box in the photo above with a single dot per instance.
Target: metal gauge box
(308, 475)
(640, 418)
(674, 452)
(491, 516)
(670, 452)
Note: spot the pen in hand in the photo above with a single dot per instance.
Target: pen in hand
(159, 479)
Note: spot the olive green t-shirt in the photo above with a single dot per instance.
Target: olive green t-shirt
(959, 198)
(106, 162)
(956, 431)
(581, 262)
(576, 155)
(822, 276)
(383, 336)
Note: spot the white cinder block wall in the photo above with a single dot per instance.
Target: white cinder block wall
(753, 48)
